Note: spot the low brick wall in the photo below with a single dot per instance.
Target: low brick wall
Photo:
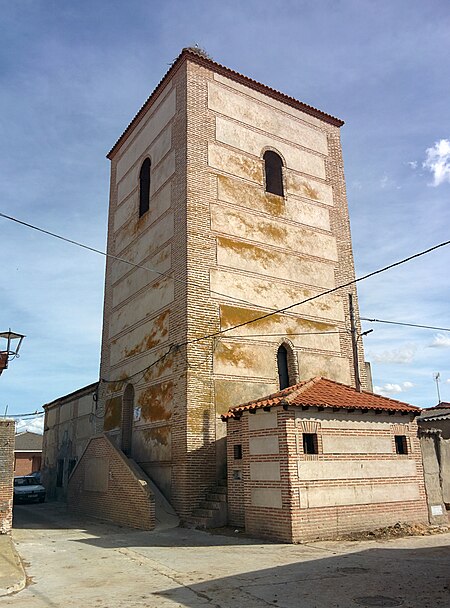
(7, 429)
(104, 485)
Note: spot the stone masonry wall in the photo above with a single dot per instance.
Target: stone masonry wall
(7, 430)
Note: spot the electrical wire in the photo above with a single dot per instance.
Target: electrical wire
(142, 371)
(287, 335)
(24, 415)
(244, 323)
(405, 324)
(327, 292)
(119, 259)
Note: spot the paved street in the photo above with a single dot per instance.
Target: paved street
(72, 562)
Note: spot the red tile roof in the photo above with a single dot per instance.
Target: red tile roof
(221, 69)
(322, 392)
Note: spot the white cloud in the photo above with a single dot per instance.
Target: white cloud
(34, 425)
(384, 181)
(398, 355)
(412, 164)
(438, 162)
(447, 381)
(392, 389)
(440, 341)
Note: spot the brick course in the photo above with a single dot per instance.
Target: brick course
(294, 522)
(7, 430)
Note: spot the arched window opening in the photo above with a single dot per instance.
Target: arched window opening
(274, 172)
(144, 187)
(127, 419)
(283, 369)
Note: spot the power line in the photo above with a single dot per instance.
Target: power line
(119, 259)
(142, 371)
(328, 291)
(281, 310)
(405, 324)
(287, 335)
(25, 415)
(244, 323)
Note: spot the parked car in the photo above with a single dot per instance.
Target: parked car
(36, 475)
(27, 488)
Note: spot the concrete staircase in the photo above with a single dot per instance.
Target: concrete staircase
(165, 514)
(212, 512)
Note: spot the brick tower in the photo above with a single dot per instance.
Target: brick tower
(235, 194)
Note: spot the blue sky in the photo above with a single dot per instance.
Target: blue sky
(72, 75)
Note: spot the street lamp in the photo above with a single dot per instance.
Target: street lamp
(13, 343)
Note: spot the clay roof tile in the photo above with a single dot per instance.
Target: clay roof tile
(322, 392)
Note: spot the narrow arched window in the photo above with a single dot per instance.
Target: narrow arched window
(274, 172)
(144, 187)
(283, 369)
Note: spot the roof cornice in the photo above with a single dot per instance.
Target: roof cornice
(191, 55)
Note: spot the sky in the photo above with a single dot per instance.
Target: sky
(73, 74)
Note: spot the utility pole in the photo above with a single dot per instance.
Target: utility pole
(437, 377)
(354, 343)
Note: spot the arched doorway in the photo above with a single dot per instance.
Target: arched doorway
(127, 419)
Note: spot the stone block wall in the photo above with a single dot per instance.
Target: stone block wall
(104, 486)
(7, 432)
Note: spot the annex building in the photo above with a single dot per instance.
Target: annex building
(227, 203)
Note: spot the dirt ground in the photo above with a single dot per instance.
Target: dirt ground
(72, 562)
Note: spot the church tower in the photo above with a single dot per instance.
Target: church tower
(227, 202)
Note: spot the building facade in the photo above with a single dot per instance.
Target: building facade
(320, 459)
(27, 453)
(227, 202)
(69, 423)
(434, 431)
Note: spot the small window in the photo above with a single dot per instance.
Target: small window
(59, 473)
(144, 187)
(237, 451)
(310, 443)
(283, 369)
(401, 445)
(274, 172)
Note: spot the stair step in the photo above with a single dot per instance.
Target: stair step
(216, 496)
(198, 522)
(207, 513)
(210, 504)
